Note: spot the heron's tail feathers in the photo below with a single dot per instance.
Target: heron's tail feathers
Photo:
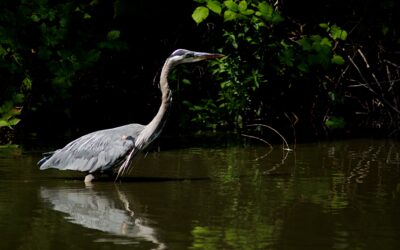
(46, 156)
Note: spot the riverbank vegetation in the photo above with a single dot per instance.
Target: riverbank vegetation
(312, 70)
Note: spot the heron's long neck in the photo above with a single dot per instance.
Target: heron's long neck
(153, 129)
(166, 96)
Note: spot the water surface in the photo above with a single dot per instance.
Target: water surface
(334, 195)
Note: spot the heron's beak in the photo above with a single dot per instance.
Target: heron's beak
(206, 56)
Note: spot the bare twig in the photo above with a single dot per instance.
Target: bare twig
(366, 85)
(363, 57)
(357, 68)
(260, 139)
(391, 63)
(293, 123)
(287, 148)
(389, 76)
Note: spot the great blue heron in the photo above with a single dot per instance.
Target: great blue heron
(111, 151)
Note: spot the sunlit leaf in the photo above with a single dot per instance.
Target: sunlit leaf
(338, 33)
(324, 25)
(214, 6)
(200, 14)
(248, 12)
(186, 81)
(267, 12)
(3, 123)
(337, 59)
(242, 6)
(14, 121)
(229, 15)
(231, 5)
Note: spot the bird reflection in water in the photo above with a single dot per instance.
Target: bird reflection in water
(103, 211)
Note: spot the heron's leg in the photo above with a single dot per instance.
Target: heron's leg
(89, 178)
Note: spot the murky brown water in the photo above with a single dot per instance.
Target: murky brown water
(336, 195)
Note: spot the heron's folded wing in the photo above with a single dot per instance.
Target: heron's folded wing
(97, 151)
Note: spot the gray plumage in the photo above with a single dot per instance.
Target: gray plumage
(112, 150)
(95, 152)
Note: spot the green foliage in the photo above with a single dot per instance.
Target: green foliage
(200, 14)
(233, 97)
(260, 49)
(335, 122)
(9, 113)
(55, 24)
(235, 10)
(47, 45)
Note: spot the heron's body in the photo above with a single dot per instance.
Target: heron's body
(112, 150)
(98, 151)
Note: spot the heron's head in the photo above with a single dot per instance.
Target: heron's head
(186, 56)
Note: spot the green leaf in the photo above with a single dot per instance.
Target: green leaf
(14, 121)
(267, 12)
(305, 44)
(335, 122)
(200, 14)
(343, 35)
(229, 15)
(113, 34)
(214, 6)
(303, 67)
(248, 12)
(324, 25)
(276, 18)
(231, 5)
(338, 33)
(35, 18)
(336, 59)
(186, 81)
(93, 56)
(242, 6)
(3, 123)
(326, 42)
(27, 83)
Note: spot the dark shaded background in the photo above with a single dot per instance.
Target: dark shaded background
(122, 86)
